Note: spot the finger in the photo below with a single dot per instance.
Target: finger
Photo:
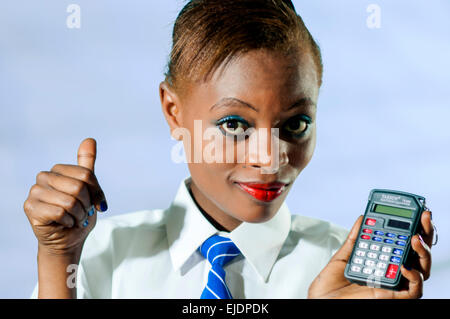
(42, 214)
(345, 251)
(427, 228)
(424, 255)
(68, 185)
(415, 285)
(81, 173)
(87, 153)
(54, 197)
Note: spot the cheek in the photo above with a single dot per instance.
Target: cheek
(301, 154)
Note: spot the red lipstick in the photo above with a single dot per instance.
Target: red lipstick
(263, 192)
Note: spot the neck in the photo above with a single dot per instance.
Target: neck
(220, 220)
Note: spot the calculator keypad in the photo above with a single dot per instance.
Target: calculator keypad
(378, 252)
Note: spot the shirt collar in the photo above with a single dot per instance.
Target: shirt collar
(187, 229)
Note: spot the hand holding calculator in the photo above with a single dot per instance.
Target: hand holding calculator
(387, 252)
(384, 239)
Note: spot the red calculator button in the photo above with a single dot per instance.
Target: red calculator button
(367, 231)
(371, 222)
(391, 271)
(365, 237)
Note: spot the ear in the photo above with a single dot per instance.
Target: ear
(170, 106)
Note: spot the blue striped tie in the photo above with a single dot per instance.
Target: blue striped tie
(219, 251)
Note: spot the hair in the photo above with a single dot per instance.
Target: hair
(209, 33)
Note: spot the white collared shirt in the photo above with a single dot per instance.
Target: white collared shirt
(154, 254)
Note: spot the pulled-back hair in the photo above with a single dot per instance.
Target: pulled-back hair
(208, 33)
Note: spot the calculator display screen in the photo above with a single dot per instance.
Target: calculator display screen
(393, 211)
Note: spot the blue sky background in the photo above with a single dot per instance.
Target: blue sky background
(383, 116)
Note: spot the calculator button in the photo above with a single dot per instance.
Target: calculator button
(400, 243)
(374, 247)
(368, 271)
(371, 221)
(366, 237)
(358, 260)
(363, 245)
(391, 235)
(372, 255)
(388, 241)
(355, 268)
(369, 263)
(391, 271)
(360, 253)
(377, 238)
(378, 233)
(398, 251)
(381, 265)
(403, 237)
(384, 257)
(386, 249)
(379, 273)
(367, 231)
(395, 259)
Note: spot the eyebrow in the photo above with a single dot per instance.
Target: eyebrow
(232, 101)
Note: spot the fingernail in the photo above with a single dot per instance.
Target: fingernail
(103, 206)
(86, 222)
(431, 215)
(91, 211)
(407, 267)
(421, 239)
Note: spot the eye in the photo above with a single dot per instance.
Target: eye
(298, 125)
(232, 125)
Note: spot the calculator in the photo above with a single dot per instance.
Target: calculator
(384, 239)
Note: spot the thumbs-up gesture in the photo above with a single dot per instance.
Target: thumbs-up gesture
(62, 205)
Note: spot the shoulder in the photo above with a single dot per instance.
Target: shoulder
(317, 231)
(118, 231)
(114, 240)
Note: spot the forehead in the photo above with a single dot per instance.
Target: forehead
(263, 75)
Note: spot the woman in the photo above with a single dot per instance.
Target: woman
(240, 70)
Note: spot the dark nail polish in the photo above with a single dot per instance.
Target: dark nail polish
(407, 267)
(91, 212)
(103, 206)
(421, 239)
(86, 222)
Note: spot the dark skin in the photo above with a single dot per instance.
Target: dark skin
(271, 83)
(58, 203)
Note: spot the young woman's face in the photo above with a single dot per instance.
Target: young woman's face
(259, 90)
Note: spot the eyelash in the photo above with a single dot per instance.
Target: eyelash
(235, 118)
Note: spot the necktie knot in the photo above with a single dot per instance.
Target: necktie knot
(219, 250)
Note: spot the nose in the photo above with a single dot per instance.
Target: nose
(266, 150)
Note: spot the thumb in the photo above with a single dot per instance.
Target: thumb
(87, 153)
(346, 250)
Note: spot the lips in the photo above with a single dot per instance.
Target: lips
(263, 192)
